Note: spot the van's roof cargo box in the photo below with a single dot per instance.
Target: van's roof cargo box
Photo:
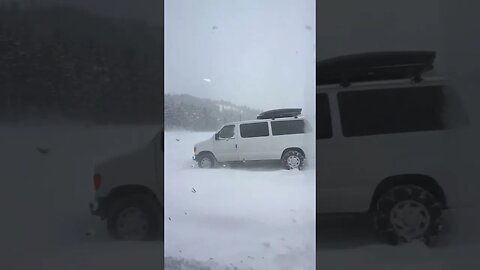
(374, 66)
(280, 113)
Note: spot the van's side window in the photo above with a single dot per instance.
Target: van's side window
(389, 111)
(227, 132)
(323, 119)
(254, 130)
(288, 127)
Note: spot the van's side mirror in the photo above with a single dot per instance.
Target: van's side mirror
(216, 136)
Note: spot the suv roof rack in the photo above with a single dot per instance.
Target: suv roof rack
(374, 66)
(280, 113)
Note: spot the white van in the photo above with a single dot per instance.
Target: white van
(129, 192)
(262, 139)
(386, 147)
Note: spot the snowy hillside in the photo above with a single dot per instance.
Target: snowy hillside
(200, 114)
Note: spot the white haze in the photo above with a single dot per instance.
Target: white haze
(254, 53)
(260, 54)
(55, 190)
(260, 216)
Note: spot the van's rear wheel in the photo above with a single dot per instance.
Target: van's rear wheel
(293, 159)
(408, 213)
(206, 161)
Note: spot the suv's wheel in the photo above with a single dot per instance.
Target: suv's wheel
(407, 213)
(134, 217)
(293, 159)
(206, 161)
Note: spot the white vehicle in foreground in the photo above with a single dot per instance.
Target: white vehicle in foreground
(387, 148)
(129, 192)
(271, 137)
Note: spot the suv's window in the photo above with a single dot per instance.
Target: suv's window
(391, 110)
(254, 130)
(288, 127)
(323, 119)
(226, 132)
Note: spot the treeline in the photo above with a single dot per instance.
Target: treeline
(197, 114)
(61, 60)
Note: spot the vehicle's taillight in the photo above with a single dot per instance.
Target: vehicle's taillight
(97, 181)
(194, 149)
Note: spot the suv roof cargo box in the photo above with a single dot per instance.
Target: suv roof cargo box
(280, 113)
(374, 66)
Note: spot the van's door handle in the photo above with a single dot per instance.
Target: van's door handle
(236, 146)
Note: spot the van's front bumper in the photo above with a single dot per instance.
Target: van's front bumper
(93, 206)
(98, 207)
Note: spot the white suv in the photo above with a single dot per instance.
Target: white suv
(386, 147)
(262, 139)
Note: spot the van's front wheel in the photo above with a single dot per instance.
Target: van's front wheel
(134, 217)
(293, 159)
(206, 161)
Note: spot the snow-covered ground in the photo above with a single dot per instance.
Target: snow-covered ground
(46, 219)
(262, 211)
(259, 216)
(44, 198)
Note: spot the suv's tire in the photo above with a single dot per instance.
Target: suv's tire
(407, 213)
(134, 217)
(293, 159)
(206, 160)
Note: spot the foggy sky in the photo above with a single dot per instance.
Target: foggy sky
(351, 26)
(150, 11)
(146, 10)
(255, 53)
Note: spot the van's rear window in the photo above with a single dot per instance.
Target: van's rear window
(288, 127)
(389, 111)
